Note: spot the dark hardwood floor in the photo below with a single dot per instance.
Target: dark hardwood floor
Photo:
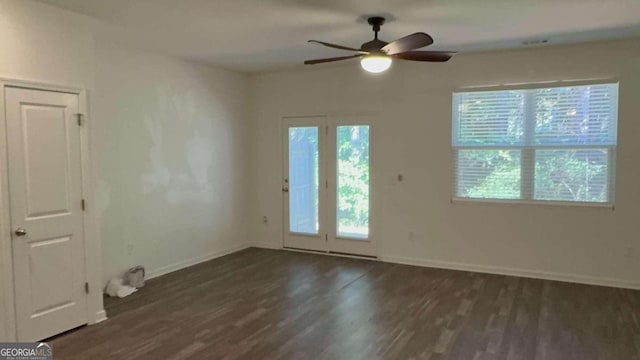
(268, 304)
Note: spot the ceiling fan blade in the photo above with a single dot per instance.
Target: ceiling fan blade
(433, 56)
(409, 42)
(337, 46)
(319, 61)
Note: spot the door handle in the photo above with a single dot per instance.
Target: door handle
(285, 189)
(21, 232)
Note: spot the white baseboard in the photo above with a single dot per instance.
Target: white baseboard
(265, 245)
(100, 317)
(193, 261)
(534, 274)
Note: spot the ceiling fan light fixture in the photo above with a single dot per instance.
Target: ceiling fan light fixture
(375, 63)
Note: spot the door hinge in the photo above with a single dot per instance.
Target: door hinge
(326, 184)
(326, 237)
(80, 119)
(83, 204)
(326, 130)
(86, 287)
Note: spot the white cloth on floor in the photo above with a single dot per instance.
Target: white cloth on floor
(115, 287)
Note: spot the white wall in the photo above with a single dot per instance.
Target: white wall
(171, 160)
(412, 136)
(45, 44)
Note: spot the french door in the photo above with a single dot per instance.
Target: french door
(326, 185)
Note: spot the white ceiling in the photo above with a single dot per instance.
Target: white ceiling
(261, 35)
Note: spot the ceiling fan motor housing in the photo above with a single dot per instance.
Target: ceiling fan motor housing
(374, 46)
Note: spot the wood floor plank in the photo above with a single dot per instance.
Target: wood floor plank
(268, 304)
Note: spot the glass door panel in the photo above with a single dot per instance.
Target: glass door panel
(352, 215)
(303, 180)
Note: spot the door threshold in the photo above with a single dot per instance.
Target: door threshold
(330, 253)
(304, 250)
(370, 257)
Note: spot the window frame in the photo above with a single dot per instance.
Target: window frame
(528, 152)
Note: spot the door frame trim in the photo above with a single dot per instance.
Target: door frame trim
(95, 310)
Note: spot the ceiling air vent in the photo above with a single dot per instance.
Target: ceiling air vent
(535, 42)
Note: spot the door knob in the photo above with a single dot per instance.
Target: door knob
(21, 232)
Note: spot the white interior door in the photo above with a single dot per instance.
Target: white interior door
(326, 185)
(303, 185)
(45, 187)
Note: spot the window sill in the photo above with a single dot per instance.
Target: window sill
(471, 201)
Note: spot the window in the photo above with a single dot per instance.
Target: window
(544, 144)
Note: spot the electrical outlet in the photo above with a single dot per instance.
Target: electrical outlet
(412, 236)
(130, 248)
(265, 219)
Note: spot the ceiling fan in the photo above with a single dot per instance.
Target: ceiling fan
(376, 55)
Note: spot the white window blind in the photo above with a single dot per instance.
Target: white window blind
(547, 144)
